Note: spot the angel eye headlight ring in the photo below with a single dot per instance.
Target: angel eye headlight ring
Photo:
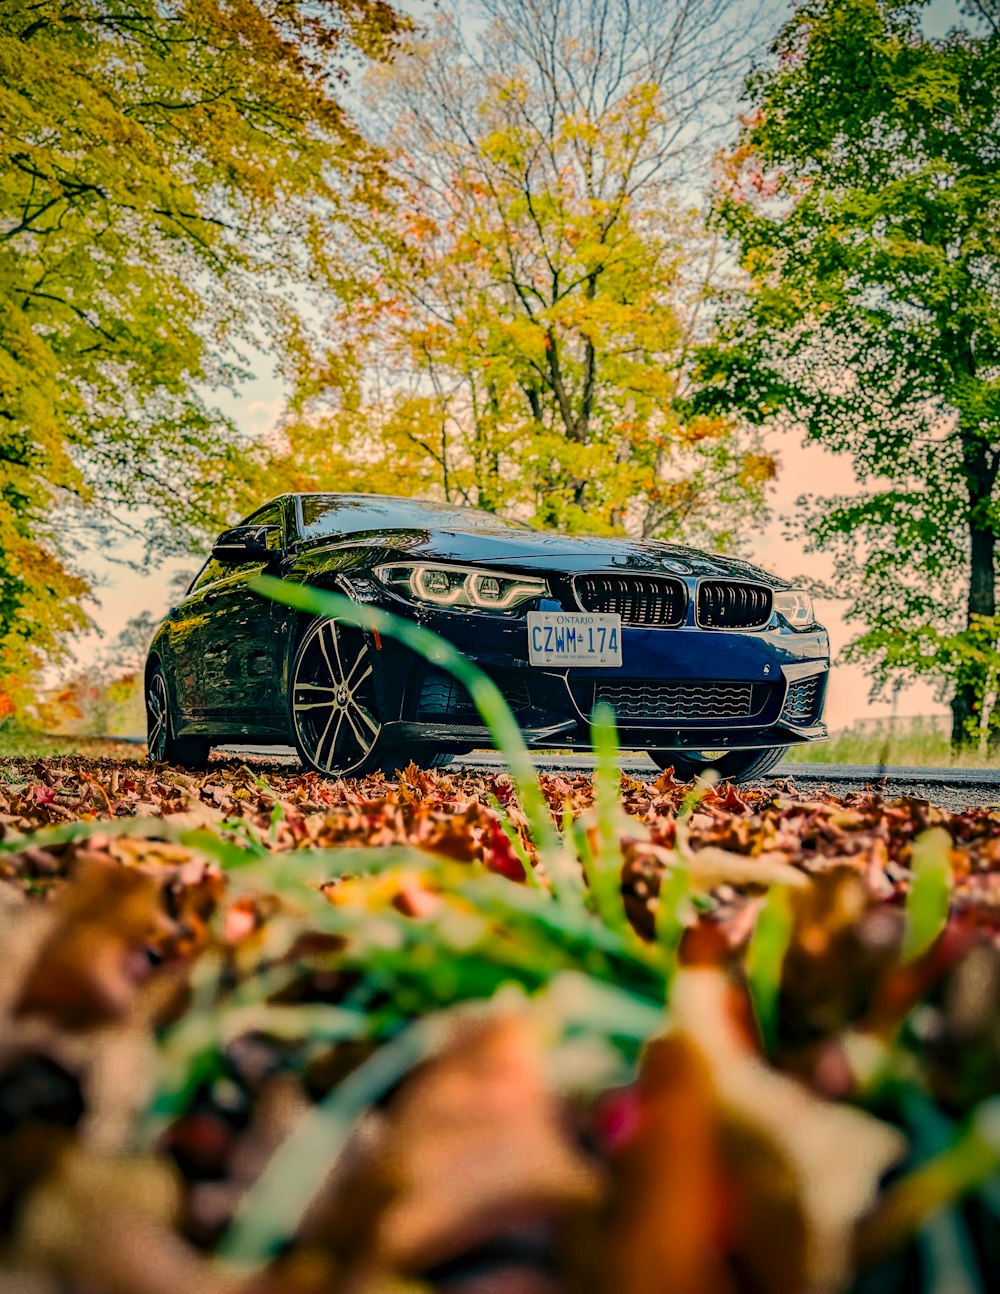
(458, 586)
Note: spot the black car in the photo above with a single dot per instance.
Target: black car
(708, 661)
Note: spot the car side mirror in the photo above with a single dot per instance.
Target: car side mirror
(244, 544)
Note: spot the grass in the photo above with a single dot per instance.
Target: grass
(17, 742)
(22, 743)
(924, 743)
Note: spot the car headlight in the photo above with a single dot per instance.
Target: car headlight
(451, 586)
(795, 605)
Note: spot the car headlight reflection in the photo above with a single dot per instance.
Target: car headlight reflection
(451, 586)
(795, 606)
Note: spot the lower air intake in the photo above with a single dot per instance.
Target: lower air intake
(684, 702)
(443, 697)
(803, 700)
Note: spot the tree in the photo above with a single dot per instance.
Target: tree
(542, 276)
(168, 168)
(865, 199)
(106, 696)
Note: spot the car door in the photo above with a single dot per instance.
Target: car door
(240, 650)
(185, 641)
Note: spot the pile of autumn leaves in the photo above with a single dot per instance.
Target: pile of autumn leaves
(815, 1151)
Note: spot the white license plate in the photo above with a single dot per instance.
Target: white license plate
(574, 638)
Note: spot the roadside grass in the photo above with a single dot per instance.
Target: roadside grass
(923, 744)
(17, 742)
(930, 750)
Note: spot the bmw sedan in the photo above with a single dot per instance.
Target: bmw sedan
(708, 661)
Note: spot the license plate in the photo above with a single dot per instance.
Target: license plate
(574, 638)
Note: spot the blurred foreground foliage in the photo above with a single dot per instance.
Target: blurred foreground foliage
(273, 1032)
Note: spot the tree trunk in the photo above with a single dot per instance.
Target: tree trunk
(963, 708)
(980, 475)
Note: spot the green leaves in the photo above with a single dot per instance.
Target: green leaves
(864, 197)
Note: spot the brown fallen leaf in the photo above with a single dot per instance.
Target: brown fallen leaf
(710, 866)
(476, 1139)
(88, 969)
(807, 1169)
(472, 1150)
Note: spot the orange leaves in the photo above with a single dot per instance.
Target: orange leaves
(670, 1227)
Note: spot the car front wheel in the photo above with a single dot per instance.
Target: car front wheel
(333, 704)
(734, 766)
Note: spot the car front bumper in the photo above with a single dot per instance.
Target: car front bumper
(662, 693)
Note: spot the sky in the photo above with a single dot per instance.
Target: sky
(123, 593)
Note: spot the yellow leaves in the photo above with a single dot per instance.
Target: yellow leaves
(550, 309)
(504, 148)
(757, 469)
(581, 130)
(156, 208)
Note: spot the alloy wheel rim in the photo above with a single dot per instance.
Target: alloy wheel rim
(156, 704)
(333, 699)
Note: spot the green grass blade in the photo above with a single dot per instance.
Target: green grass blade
(270, 1211)
(514, 840)
(193, 1051)
(929, 896)
(674, 897)
(604, 867)
(772, 933)
(969, 1163)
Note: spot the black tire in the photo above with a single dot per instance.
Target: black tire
(736, 766)
(332, 705)
(162, 746)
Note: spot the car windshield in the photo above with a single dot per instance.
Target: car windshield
(345, 514)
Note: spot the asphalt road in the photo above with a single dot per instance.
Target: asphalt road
(952, 788)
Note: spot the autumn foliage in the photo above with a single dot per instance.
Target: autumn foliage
(265, 1032)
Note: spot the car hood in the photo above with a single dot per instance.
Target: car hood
(530, 550)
